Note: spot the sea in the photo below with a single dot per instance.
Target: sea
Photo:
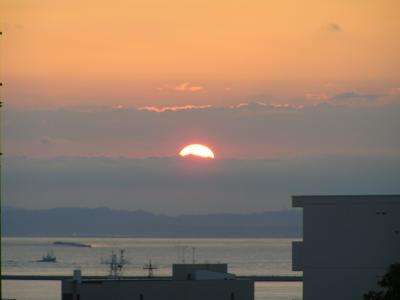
(264, 256)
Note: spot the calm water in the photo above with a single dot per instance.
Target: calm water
(244, 256)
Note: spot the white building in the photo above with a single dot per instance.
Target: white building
(348, 244)
(188, 282)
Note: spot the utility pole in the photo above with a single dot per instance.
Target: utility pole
(150, 267)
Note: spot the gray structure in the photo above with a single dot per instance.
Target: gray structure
(189, 282)
(348, 244)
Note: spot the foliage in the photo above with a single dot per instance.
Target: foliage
(390, 283)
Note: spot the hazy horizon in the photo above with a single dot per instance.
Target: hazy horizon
(179, 185)
(292, 97)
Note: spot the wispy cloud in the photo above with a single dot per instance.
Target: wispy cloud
(45, 140)
(6, 27)
(187, 87)
(356, 98)
(394, 91)
(334, 27)
(317, 96)
(260, 106)
(173, 108)
(182, 87)
(342, 127)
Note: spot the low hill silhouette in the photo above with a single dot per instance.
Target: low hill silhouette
(108, 222)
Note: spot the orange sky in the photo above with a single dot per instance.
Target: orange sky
(168, 52)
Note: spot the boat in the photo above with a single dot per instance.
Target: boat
(49, 257)
(72, 244)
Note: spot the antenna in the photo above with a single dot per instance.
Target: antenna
(116, 264)
(150, 267)
(178, 256)
(194, 255)
(181, 254)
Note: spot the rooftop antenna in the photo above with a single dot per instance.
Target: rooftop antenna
(116, 264)
(194, 255)
(150, 267)
(178, 257)
(181, 254)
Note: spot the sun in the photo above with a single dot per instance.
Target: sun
(197, 150)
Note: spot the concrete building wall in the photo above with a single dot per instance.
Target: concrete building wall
(348, 244)
(211, 275)
(187, 271)
(343, 284)
(297, 256)
(156, 290)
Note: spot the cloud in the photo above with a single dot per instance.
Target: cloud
(6, 27)
(258, 106)
(340, 127)
(173, 108)
(183, 87)
(249, 105)
(119, 106)
(187, 87)
(334, 27)
(317, 96)
(394, 91)
(45, 140)
(356, 98)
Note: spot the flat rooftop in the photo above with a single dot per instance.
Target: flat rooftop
(307, 200)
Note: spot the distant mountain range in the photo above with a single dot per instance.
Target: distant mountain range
(106, 222)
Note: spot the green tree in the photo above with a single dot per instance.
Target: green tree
(390, 284)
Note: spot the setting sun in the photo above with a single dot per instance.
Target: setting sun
(197, 150)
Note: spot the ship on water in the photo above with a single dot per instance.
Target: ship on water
(49, 257)
(72, 244)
